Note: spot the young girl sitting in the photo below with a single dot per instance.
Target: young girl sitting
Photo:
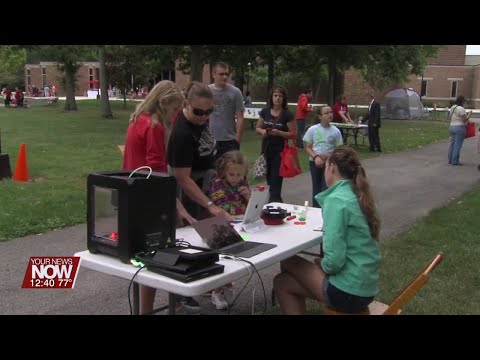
(230, 191)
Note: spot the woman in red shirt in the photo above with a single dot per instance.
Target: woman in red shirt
(147, 135)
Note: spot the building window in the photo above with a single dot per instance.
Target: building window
(29, 78)
(423, 91)
(454, 89)
(90, 78)
(44, 77)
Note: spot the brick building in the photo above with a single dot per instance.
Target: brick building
(46, 73)
(449, 74)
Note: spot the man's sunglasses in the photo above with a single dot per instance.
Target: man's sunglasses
(200, 112)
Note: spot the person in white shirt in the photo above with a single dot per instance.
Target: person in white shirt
(458, 122)
(320, 141)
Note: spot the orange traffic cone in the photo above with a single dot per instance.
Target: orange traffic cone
(21, 170)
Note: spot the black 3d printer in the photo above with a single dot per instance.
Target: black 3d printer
(130, 212)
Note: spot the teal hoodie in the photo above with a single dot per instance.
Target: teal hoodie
(351, 256)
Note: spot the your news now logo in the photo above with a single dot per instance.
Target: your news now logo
(51, 272)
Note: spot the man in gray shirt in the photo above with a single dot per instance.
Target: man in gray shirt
(228, 104)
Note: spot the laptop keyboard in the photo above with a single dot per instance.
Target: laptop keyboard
(240, 247)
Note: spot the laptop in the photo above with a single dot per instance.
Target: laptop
(252, 222)
(218, 234)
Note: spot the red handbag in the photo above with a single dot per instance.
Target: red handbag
(470, 130)
(290, 163)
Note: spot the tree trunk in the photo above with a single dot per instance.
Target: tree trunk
(104, 101)
(196, 65)
(239, 78)
(70, 103)
(271, 74)
(331, 80)
(211, 64)
(339, 82)
(125, 98)
(317, 91)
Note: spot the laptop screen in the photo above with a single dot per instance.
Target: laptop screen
(217, 232)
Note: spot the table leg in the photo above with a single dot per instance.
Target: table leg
(355, 134)
(345, 136)
(171, 304)
(346, 132)
(136, 299)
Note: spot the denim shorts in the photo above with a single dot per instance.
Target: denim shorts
(341, 301)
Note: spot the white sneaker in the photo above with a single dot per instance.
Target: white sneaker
(229, 294)
(219, 301)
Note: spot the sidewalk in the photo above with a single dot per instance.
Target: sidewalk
(407, 187)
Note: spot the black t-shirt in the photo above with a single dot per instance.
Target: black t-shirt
(275, 143)
(191, 146)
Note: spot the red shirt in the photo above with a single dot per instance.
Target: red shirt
(336, 108)
(302, 107)
(145, 146)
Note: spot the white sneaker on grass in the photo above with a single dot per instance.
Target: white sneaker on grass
(219, 301)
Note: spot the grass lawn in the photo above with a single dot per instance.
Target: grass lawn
(454, 287)
(62, 149)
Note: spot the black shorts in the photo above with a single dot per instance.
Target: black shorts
(341, 301)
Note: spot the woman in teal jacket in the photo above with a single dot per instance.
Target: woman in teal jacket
(346, 278)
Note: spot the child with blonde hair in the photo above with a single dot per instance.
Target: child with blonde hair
(230, 191)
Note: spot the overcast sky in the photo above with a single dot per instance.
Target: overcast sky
(473, 49)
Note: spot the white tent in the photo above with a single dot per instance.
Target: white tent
(403, 104)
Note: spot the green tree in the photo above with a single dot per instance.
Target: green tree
(379, 65)
(194, 57)
(123, 64)
(130, 65)
(382, 65)
(12, 62)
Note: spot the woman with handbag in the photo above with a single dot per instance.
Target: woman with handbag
(458, 125)
(275, 124)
